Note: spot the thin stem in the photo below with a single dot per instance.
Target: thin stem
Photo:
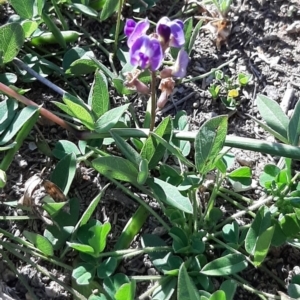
(192, 196)
(153, 99)
(236, 195)
(210, 72)
(43, 80)
(240, 206)
(118, 27)
(141, 202)
(245, 285)
(60, 16)
(158, 283)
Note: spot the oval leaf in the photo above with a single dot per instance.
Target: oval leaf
(226, 265)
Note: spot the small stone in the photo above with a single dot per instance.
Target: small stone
(151, 271)
(53, 130)
(32, 146)
(159, 231)
(196, 104)
(52, 291)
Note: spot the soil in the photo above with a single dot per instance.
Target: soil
(262, 47)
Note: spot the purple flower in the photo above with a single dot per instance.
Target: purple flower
(178, 70)
(171, 32)
(135, 30)
(146, 52)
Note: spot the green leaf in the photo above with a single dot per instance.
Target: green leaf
(209, 142)
(39, 242)
(170, 195)
(273, 115)
(244, 78)
(129, 152)
(143, 172)
(116, 167)
(79, 110)
(99, 97)
(29, 27)
(290, 225)
(85, 10)
(181, 122)
(113, 283)
(154, 151)
(269, 175)
(262, 245)
(64, 147)
(294, 291)
(52, 208)
(109, 8)
(259, 225)
(186, 288)
(165, 290)
(294, 126)
(81, 248)
(231, 232)
(242, 175)
(17, 123)
(229, 287)
(180, 240)
(110, 118)
(64, 173)
(269, 129)
(218, 295)
(174, 151)
(126, 291)
(226, 265)
(194, 36)
(107, 267)
(90, 209)
(84, 273)
(55, 30)
(11, 41)
(98, 240)
(8, 110)
(82, 66)
(24, 8)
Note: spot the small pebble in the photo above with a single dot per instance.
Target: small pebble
(32, 146)
(196, 104)
(151, 271)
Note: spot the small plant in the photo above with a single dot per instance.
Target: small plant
(228, 89)
(182, 171)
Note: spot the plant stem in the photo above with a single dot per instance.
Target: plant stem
(118, 27)
(254, 206)
(236, 195)
(141, 202)
(210, 72)
(153, 99)
(43, 80)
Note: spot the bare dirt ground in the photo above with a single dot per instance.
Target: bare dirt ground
(264, 48)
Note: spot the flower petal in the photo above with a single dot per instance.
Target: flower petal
(163, 30)
(177, 35)
(146, 52)
(157, 55)
(129, 27)
(139, 30)
(179, 68)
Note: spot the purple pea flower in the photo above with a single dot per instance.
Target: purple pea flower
(171, 32)
(178, 70)
(146, 52)
(135, 30)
